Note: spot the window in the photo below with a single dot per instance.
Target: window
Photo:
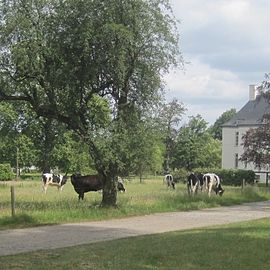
(236, 138)
(236, 161)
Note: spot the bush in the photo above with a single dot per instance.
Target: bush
(180, 175)
(232, 177)
(5, 172)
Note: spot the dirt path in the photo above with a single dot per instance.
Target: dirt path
(49, 237)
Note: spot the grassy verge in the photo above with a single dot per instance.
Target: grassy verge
(34, 208)
(243, 246)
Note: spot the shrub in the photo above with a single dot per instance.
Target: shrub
(180, 175)
(232, 177)
(5, 172)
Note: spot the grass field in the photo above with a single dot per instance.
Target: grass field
(241, 246)
(33, 208)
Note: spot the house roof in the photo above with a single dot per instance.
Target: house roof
(251, 114)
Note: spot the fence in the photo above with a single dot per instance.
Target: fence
(265, 174)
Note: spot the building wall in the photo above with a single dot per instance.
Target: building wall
(231, 150)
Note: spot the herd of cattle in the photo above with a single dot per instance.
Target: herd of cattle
(198, 181)
(85, 183)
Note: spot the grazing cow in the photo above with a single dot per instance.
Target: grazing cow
(168, 179)
(120, 184)
(194, 182)
(50, 179)
(211, 182)
(86, 183)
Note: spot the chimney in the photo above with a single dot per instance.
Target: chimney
(252, 92)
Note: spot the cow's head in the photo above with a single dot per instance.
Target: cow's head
(220, 190)
(64, 179)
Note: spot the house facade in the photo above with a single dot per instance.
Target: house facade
(250, 116)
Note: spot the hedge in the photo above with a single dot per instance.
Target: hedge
(6, 172)
(230, 177)
(233, 177)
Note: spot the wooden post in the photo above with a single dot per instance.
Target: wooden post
(17, 163)
(12, 191)
(267, 178)
(243, 183)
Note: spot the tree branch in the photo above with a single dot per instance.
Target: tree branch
(4, 97)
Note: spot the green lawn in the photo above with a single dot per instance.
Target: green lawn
(240, 246)
(35, 208)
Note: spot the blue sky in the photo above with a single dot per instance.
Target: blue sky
(227, 45)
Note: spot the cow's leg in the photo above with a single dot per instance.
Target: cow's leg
(210, 189)
(188, 189)
(45, 188)
(196, 188)
(81, 196)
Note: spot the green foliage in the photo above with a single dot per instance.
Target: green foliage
(256, 145)
(180, 175)
(87, 67)
(72, 155)
(216, 129)
(5, 172)
(169, 118)
(27, 153)
(195, 147)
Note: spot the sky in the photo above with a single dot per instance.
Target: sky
(226, 47)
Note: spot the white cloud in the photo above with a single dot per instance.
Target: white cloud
(206, 91)
(200, 81)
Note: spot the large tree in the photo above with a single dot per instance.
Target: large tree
(170, 116)
(89, 64)
(195, 147)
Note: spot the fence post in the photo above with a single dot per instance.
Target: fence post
(243, 183)
(12, 191)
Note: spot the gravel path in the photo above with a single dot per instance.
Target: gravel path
(57, 236)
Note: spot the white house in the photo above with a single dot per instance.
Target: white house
(250, 116)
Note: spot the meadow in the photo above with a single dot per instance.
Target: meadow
(33, 207)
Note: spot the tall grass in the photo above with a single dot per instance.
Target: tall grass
(33, 207)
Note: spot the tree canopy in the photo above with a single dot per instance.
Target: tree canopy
(256, 141)
(195, 147)
(216, 129)
(89, 64)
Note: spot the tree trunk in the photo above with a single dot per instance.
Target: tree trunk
(109, 195)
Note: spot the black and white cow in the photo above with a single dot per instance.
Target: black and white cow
(211, 182)
(50, 179)
(168, 179)
(120, 184)
(194, 182)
